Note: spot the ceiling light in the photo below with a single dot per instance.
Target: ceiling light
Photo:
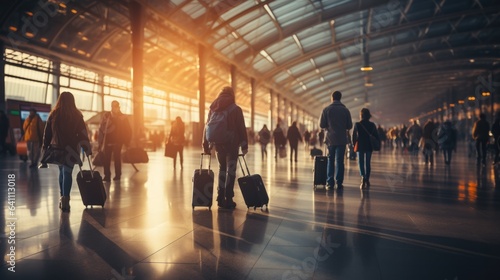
(366, 68)
(13, 28)
(485, 93)
(472, 60)
(461, 102)
(366, 63)
(471, 98)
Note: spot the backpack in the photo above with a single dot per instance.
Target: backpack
(216, 129)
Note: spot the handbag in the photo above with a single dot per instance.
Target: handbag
(135, 155)
(170, 149)
(98, 160)
(54, 155)
(375, 143)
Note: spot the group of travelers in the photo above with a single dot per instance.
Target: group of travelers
(66, 132)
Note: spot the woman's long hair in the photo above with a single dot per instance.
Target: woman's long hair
(65, 108)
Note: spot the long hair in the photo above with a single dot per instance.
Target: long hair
(65, 108)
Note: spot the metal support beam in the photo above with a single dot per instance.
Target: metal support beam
(202, 68)
(2, 77)
(253, 93)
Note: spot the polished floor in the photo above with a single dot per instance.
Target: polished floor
(415, 222)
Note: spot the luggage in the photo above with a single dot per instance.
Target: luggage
(170, 149)
(351, 154)
(320, 170)
(316, 152)
(135, 155)
(203, 185)
(252, 188)
(22, 150)
(91, 187)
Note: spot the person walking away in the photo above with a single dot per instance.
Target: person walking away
(279, 140)
(414, 135)
(33, 129)
(429, 145)
(307, 138)
(66, 130)
(447, 139)
(293, 136)
(361, 135)
(234, 136)
(264, 139)
(404, 137)
(495, 130)
(4, 131)
(114, 132)
(336, 119)
(480, 134)
(177, 138)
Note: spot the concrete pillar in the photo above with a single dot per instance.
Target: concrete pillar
(271, 109)
(137, 26)
(2, 78)
(202, 68)
(56, 81)
(253, 93)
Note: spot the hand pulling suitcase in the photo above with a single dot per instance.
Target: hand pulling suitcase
(252, 188)
(320, 170)
(91, 186)
(203, 185)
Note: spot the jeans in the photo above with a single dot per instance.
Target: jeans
(335, 167)
(228, 161)
(293, 151)
(364, 163)
(447, 155)
(65, 179)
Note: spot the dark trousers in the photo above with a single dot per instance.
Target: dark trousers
(293, 150)
(179, 149)
(114, 151)
(447, 155)
(228, 161)
(481, 150)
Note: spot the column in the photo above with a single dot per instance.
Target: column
(2, 78)
(202, 66)
(56, 81)
(137, 26)
(278, 109)
(233, 77)
(252, 103)
(271, 105)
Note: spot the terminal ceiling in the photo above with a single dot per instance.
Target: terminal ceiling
(423, 52)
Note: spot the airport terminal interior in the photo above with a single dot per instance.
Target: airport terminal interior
(407, 61)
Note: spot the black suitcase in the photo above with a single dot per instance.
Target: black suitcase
(252, 188)
(91, 187)
(203, 185)
(319, 171)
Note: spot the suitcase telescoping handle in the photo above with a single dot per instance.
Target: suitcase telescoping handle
(246, 165)
(209, 160)
(90, 166)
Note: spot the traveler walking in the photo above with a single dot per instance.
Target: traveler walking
(414, 135)
(177, 138)
(336, 119)
(293, 136)
(495, 130)
(279, 140)
(361, 134)
(480, 133)
(447, 139)
(429, 143)
(65, 134)
(264, 139)
(33, 132)
(114, 132)
(234, 136)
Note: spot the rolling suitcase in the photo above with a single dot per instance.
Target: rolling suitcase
(319, 171)
(203, 185)
(22, 150)
(252, 188)
(316, 152)
(91, 186)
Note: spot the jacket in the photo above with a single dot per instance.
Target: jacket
(447, 136)
(236, 124)
(68, 135)
(293, 135)
(33, 129)
(481, 130)
(360, 135)
(279, 137)
(114, 130)
(177, 133)
(336, 119)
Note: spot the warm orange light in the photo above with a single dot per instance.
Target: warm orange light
(452, 105)
(486, 93)
(29, 34)
(461, 102)
(43, 39)
(13, 28)
(63, 45)
(366, 68)
(471, 98)
(29, 14)
(74, 11)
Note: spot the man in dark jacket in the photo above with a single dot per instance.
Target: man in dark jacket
(336, 119)
(227, 152)
(114, 132)
(293, 136)
(480, 133)
(495, 130)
